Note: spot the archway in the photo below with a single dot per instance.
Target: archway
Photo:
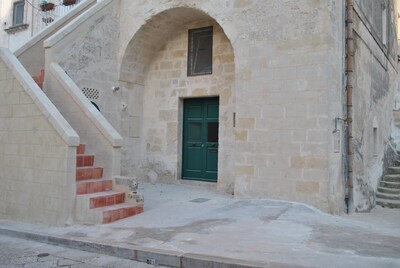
(155, 83)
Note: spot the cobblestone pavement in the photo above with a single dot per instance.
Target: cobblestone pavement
(20, 253)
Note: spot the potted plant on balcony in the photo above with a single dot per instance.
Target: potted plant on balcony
(46, 5)
(69, 2)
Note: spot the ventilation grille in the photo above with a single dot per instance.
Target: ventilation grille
(91, 93)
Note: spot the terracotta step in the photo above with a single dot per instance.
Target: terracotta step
(388, 190)
(388, 203)
(88, 173)
(93, 186)
(80, 149)
(102, 199)
(120, 211)
(393, 185)
(392, 178)
(39, 79)
(84, 160)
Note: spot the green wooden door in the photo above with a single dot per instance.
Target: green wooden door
(200, 139)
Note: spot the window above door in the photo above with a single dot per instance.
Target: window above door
(200, 51)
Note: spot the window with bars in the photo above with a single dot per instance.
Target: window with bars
(200, 51)
(18, 13)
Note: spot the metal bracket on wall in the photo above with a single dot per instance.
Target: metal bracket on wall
(337, 119)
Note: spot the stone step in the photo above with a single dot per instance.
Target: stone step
(93, 186)
(84, 160)
(80, 149)
(88, 173)
(394, 170)
(102, 199)
(120, 211)
(388, 203)
(388, 190)
(391, 178)
(392, 185)
(388, 196)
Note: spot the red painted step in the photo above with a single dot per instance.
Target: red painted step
(120, 211)
(85, 160)
(93, 186)
(103, 199)
(39, 79)
(88, 173)
(80, 149)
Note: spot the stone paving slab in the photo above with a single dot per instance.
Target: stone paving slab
(222, 231)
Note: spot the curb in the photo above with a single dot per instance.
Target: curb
(141, 254)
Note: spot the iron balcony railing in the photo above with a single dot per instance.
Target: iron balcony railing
(45, 18)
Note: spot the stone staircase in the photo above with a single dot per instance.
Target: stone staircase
(96, 201)
(388, 193)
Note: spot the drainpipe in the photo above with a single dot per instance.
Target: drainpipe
(349, 100)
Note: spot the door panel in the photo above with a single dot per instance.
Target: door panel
(200, 139)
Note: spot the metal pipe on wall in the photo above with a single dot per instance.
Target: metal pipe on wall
(349, 99)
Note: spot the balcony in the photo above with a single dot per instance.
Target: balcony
(45, 18)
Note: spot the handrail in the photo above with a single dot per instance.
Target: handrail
(105, 128)
(47, 108)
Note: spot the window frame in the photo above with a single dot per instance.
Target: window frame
(191, 52)
(16, 5)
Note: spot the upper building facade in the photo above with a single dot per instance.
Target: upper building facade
(22, 19)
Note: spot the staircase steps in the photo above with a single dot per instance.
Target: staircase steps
(385, 190)
(93, 186)
(84, 160)
(88, 173)
(96, 200)
(119, 211)
(387, 184)
(394, 170)
(388, 203)
(39, 79)
(392, 178)
(108, 198)
(388, 193)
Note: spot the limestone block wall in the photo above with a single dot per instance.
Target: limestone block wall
(37, 151)
(286, 54)
(374, 94)
(166, 85)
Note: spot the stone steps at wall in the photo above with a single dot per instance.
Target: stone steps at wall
(394, 170)
(393, 185)
(391, 178)
(388, 203)
(388, 192)
(96, 200)
(388, 196)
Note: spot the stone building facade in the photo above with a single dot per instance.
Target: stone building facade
(267, 117)
(280, 90)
